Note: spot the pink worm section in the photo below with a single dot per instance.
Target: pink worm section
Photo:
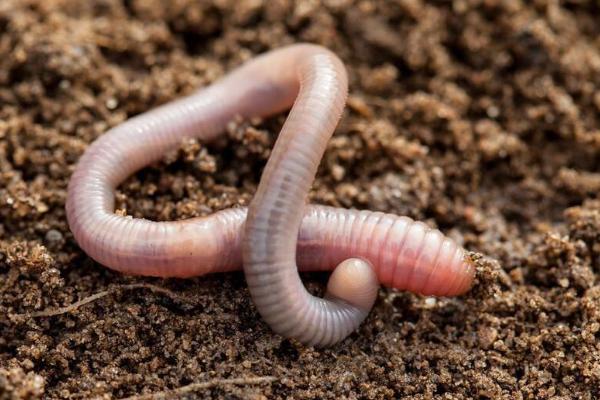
(404, 254)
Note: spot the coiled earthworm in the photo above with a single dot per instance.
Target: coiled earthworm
(371, 247)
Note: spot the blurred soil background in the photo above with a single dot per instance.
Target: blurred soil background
(480, 117)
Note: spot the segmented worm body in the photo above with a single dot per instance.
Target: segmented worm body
(279, 229)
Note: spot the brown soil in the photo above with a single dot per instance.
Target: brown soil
(480, 117)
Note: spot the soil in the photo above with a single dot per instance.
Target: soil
(480, 117)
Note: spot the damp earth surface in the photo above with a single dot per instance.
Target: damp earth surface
(481, 118)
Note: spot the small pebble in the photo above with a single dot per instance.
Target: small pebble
(112, 103)
(53, 236)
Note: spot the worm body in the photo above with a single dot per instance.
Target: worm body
(400, 253)
(275, 213)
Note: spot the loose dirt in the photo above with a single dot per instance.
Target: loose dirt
(479, 117)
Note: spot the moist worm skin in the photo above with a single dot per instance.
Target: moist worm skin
(403, 254)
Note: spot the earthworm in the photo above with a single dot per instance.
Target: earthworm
(370, 247)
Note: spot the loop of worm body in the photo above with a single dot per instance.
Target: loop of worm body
(278, 231)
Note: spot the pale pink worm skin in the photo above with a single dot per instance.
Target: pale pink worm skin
(403, 254)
